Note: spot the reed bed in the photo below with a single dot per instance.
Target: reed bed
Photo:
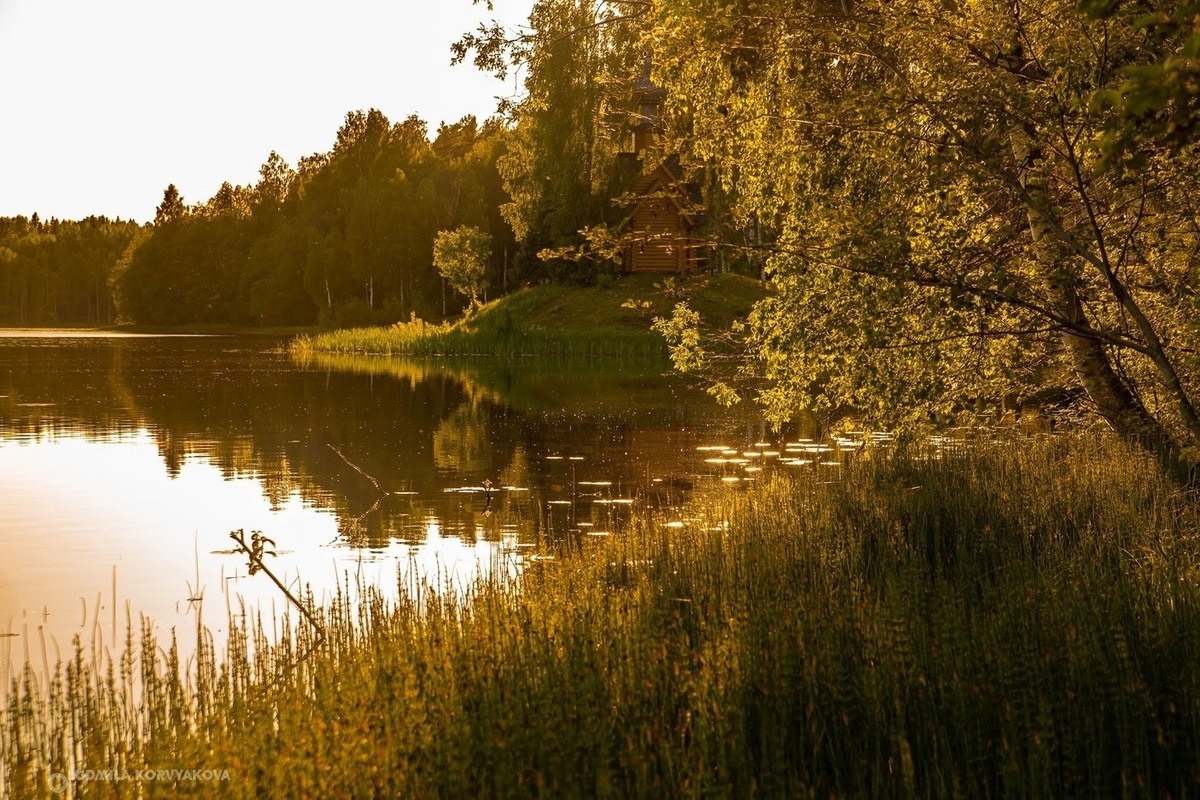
(999, 621)
(420, 338)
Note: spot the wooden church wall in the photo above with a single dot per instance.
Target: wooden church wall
(658, 220)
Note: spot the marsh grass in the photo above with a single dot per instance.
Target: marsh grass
(997, 621)
(419, 338)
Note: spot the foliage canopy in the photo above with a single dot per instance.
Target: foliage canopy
(461, 257)
(345, 237)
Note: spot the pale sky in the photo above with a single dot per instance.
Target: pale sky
(103, 103)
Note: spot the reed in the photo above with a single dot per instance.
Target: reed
(424, 339)
(1018, 621)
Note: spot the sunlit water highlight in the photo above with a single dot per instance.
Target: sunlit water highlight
(97, 534)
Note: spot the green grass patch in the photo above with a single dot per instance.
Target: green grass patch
(555, 320)
(1009, 621)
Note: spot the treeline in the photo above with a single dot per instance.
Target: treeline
(345, 237)
(57, 272)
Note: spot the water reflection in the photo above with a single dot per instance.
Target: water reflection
(142, 453)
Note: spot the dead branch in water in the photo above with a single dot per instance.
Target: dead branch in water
(358, 469)
(255, 552)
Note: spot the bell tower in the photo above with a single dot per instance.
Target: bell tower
(647, 100)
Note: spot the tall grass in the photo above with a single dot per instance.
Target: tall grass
(425, 339)
(1002, 621)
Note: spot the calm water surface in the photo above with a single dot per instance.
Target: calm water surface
(125, 461)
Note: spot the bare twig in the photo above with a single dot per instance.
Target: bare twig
(255, 550)
(368, 476)
(358, 469)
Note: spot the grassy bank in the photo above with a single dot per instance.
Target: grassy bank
(553, 320)
(1009, 621)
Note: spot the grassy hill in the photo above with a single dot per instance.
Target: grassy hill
(612, 320)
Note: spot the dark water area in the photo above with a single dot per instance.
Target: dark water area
(125, 461)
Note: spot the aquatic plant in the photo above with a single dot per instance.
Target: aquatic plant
(424, 339)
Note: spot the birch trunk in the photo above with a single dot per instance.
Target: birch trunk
(1114, 400)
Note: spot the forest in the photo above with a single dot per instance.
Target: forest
(344, 237)
(58, 272)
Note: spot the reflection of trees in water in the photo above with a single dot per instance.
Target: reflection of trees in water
(415, 426)
(518, 472)
(513, 514)
(36, 401)
(462, 442)
(413, 371)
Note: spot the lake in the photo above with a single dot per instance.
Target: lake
(126, 460)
